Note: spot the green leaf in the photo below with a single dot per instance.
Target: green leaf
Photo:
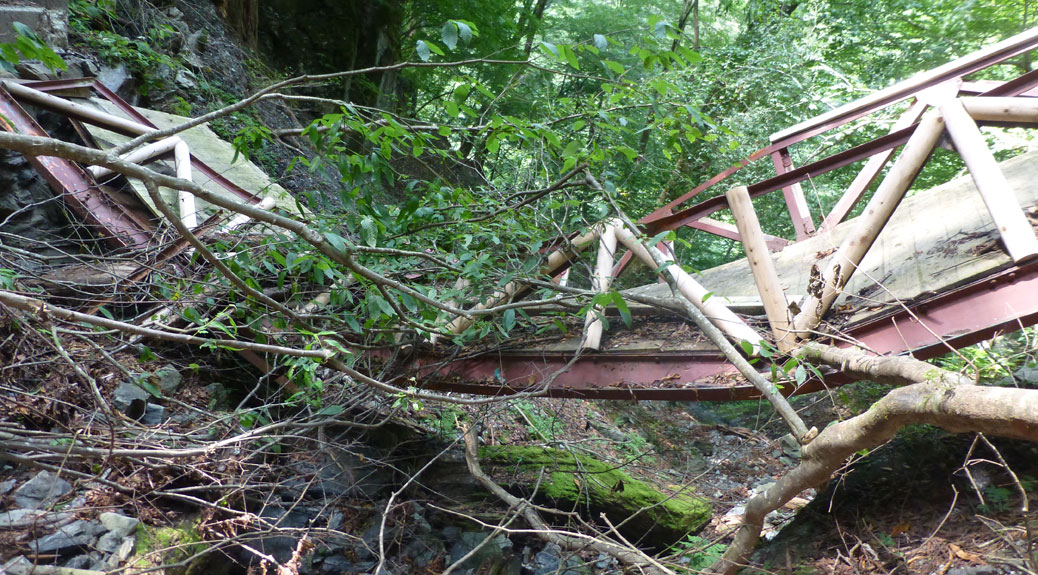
(337, 241)
(370, 230)
(570, 56)
(746, 346)
(331, 410)
(424, 52)
(800, 375)
(549, 49)
(614, 66)
(707, 296)
(621, 306)
(449, 34)
(465, 30)
(509, 319)
(150, 387)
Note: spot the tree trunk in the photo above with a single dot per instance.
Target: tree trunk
(937, 400)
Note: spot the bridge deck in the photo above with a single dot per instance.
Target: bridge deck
(940, 256)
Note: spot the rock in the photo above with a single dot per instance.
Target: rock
(1027, 374)
(41, 491)
(22, 518)
(118, 80)
(17, 566)
(131, 400)
(550, 561)
(219, 397)
(118, 523)
(79, 562)
(185, 80)
(109, 542)
(123, 552)
(790, 446)
(168, 379)
(69, 538)
(33, 70)
(153, 415)
(7, 486)
(491, 553)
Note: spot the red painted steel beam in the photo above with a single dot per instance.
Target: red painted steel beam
(133, 114)
(793, 194)
(717, 203)
(118, 227)
(1003, 301)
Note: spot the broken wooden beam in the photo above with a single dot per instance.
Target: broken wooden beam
(825, 285)
(556, 260)
(732, 325)
(593, 325)
(762, 266)
(1010, 221)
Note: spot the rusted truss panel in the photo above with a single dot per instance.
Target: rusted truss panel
(113, 221)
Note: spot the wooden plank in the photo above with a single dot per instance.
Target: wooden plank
(603, 277)
(826, 283)
(957, 243)
(762, 266)
(1016, 232)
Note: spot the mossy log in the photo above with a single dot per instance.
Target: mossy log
(646, 514)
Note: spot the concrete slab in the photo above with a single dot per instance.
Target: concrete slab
(212, 150)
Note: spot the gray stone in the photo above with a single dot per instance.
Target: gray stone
(118, 523)
(1027, 374)
(17, 566)
(78, 562)
(335, 520)
(551, 561)
(33, 70)
(131, 400)
(153, 414)
(7, 486)
(109, 542)
(69, 538)
(22, 518)
(41, 491)
(185, 80)
(790, 446)
(169, 379)
(118, 80)
(125, 549)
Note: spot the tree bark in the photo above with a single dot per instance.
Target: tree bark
(1007, 412)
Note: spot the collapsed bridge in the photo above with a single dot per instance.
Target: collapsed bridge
(920, 274)
(949, 267)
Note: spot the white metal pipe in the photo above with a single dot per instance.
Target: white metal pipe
(85, 113)
(182, 160)
(140, 154)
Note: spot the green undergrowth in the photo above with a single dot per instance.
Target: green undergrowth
(159, 545)
(580, 482)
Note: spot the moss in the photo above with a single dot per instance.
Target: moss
(156, 546)
(579, 481)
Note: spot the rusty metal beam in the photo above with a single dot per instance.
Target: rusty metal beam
(133, 114)
(1003, 301)
(119, 227)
